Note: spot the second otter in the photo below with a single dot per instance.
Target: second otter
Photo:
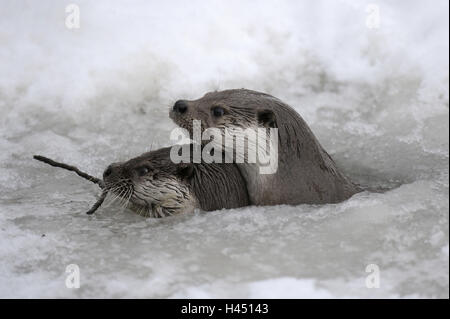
(154, 186)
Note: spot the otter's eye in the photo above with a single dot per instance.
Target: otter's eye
(218, 111)
(142, 171)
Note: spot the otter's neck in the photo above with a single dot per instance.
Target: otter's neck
(297, 182)
(256, 183)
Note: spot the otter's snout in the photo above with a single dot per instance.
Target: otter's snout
(180, 107)
(112, 172)
(108, 171)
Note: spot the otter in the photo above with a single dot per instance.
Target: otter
(306, 173)
(154, 186)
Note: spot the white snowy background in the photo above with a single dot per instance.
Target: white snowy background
(375, 95)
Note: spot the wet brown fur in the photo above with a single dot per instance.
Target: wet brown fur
(306, 172)
(170, 188)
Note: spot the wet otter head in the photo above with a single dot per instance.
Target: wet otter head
(152, 185)
(225, 109)
(238, 115)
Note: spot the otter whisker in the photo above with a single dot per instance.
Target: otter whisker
(111, 199)
(130, 190)
(117, 196)
(124, 202)
(124, 199)
(142, 210)
(113, 190)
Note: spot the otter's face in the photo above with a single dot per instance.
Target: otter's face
(225, 109)
(151, 185)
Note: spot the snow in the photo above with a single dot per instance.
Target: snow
(376, 98)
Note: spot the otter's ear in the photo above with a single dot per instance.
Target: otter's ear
(185, 171)
(267, 119)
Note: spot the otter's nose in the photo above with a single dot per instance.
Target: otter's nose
(108, 171)
(180, 106)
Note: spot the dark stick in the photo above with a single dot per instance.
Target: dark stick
(97, 203)
(90, 178)
(51, 162)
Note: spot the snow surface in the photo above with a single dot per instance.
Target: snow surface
(376, 98)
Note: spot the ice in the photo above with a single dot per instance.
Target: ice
(376, 98)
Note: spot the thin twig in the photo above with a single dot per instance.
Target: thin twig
(84, 175)
(51, 162)
(97, 203)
